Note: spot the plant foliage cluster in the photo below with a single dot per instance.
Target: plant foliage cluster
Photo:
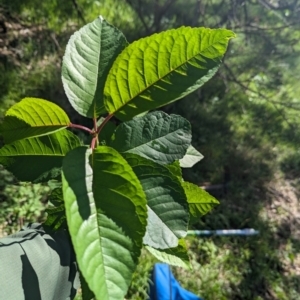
(125, 189)
(245, 122)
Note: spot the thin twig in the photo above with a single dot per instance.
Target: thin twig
(81, 127)
(257, 93)
(234, 79)
(103, 123)
(140, 15)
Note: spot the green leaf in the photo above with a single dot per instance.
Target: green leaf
(106, 133)
(177, 256)
(191, 157)
(200, 202)
(157, 136)
(89, 55)
(141, 114)
(38, 159)
(175, 169)
(87, 294)
(56, 217)
(32, 117)
(167, 207)
(107, 216)
(162, 68)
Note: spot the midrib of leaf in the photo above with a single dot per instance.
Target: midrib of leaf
(159, 79)
(31, 153)
(99, 226)
(93, 206)
(99, 233)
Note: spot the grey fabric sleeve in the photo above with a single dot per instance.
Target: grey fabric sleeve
(35, 265)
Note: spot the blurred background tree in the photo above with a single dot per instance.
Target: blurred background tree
(245, 123)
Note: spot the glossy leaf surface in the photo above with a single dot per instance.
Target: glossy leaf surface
(38, 159)
(89, 55)
(162, 68)
(107, 215)
(157, 136)
(167, 208)
(32, 117)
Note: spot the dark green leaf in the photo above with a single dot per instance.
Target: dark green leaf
(175, 169)
(106, 133)
(32, 117)
(56, 217)
(162, 68)
(89, 56)
(167, 207)
(87, 294)
(157, 136)
(38, 159)
(107, 216)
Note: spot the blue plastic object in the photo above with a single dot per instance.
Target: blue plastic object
(165, 287)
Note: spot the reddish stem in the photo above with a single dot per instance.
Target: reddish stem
(95, 124)
(93, 143)
(103, 123)
(81, 127)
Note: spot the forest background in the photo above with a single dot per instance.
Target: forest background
(245, 122)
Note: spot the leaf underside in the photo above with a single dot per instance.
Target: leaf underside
(89, 55)
(106, 214)
(167, 208)
(191, 157)
(162, 68)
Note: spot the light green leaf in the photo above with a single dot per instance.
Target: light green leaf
(162, 68)
(177, 256)
(89, 55)
(107, 216)
(167, 207)
(200, 202)
(56, 217)
(191, 157)
(157, 136)
(141, 114)
(38, 159)
(32, 117)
